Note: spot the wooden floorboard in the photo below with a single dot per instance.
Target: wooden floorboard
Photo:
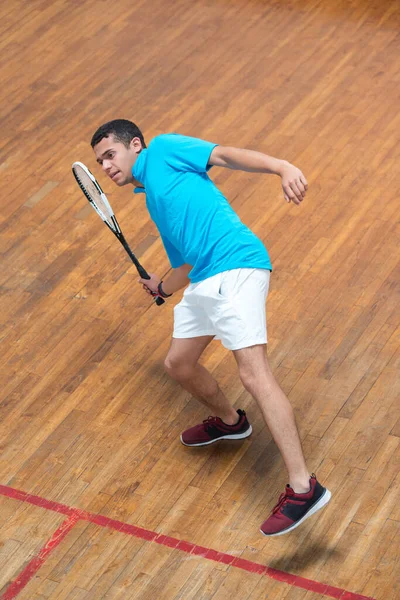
(88, 417)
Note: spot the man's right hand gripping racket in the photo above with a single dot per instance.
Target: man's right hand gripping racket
(97, 198)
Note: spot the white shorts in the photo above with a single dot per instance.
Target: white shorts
(229, 306)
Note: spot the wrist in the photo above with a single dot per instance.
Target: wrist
(282, 165)
(162, 292)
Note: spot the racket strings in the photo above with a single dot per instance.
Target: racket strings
(95, 197)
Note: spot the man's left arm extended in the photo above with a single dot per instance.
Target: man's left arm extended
(294, 183)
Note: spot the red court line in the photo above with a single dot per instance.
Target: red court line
(34, 565)
(76, 514)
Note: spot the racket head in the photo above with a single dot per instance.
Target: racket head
(98, 200)
(93, 192)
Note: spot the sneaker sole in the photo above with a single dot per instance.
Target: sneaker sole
(233, 436)
(326, 496)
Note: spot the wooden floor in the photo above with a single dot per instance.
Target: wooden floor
(89, 419)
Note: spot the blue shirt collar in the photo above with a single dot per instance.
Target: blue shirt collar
(139, 190)
(139, 170)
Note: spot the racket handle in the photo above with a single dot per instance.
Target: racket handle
(141, 270)
(144, 275)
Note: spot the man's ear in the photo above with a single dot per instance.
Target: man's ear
(136, 145)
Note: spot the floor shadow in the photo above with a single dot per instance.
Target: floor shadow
(296, 561)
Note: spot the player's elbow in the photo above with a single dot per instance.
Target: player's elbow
(219, 157)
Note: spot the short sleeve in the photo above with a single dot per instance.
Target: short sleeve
(187, 153)
(174, 256)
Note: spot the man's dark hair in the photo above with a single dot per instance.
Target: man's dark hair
(123, 131)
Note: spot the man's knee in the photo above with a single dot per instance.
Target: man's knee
(178, 368)
(254, 370)
(248, 378)
(254, 379)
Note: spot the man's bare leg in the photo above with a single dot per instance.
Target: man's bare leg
(182, 365)
(257, 378)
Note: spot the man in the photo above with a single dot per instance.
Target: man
(227, 268)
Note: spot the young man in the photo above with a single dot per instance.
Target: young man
(227, 268)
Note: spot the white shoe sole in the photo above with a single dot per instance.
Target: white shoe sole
(233, 436)
(326, 496)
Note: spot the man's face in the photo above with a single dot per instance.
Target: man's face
(116, 159)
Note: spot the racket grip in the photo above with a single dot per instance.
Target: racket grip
(144, 275)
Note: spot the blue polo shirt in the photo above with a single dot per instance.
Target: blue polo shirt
(196, 222)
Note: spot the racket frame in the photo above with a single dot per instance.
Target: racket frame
(114, 226)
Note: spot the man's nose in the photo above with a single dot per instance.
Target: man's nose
(106, 165)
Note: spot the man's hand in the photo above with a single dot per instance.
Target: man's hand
(294, 183)
(150, 285)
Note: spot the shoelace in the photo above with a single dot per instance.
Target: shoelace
(283, 498)
(288, 493)
(210, 421)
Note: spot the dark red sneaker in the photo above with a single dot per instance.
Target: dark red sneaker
(214, 429)
(292, 509)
